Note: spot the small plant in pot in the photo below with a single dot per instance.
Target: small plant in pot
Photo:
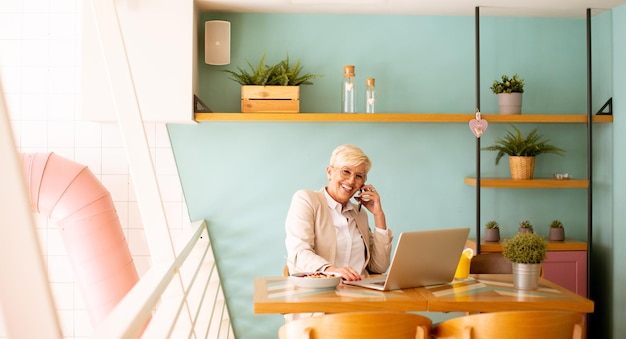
(525, 227)
(557, 231)
(492, 231)
(522, 151)
(526, 251)
(509, 91)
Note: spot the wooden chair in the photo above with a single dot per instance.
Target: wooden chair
(362, 325)
(490, 263)
(513, 325)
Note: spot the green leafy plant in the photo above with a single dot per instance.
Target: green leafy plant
(525, 248)
(556, 224)
(526, 224)
(515, 143)
(492, 224)
(281, 74)
(514, 84)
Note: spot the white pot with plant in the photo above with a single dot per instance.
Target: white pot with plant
(526, 252)
(509, 91)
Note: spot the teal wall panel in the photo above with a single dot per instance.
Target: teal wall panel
(614, 277)
(239, 176)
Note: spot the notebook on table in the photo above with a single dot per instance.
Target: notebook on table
(421, 258)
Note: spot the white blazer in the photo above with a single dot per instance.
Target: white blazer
(311, 240)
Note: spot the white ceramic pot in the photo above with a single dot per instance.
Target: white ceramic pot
(510, 103)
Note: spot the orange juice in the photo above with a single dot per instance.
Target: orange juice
(463, 268)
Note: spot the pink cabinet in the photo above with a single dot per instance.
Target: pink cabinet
(568, 269)
(565, 264)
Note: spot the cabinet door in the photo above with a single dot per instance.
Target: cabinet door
(568, 269)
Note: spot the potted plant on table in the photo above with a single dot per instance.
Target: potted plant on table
(557, 231)
(522, 151)
(271, 88)
(509, 91)
(526, 252)
(492, 231)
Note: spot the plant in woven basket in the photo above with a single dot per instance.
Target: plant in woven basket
(522, 151)
(283, 73)
(526, 227)
(514, 143)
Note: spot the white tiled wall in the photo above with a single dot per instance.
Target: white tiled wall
(40, 74)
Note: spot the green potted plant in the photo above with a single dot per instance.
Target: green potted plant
(509, 91)
(492, 231)
(557, 231)
(525, 226)
(522, 151)
(271, 88)
(526, 252)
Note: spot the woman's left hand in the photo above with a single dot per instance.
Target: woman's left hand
(370, 198)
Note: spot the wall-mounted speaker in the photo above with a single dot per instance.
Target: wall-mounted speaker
(217, 42)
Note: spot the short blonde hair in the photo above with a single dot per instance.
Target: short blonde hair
(349, 155)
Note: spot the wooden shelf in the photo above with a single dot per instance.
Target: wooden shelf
(532, 183)
(566, 245)
(398, 117)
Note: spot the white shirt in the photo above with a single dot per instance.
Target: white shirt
(350, 246)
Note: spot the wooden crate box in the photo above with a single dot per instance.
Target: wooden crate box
(270, 99)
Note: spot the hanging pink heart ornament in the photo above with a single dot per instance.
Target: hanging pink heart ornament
(478, 126)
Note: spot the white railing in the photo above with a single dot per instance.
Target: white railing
(157, 306)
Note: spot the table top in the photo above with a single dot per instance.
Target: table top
(480, 293)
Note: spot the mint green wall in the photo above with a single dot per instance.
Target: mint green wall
(240, 176)
(614, 244)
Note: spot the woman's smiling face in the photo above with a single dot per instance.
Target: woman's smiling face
(345, 181)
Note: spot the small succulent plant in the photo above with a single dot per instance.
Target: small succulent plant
(492, 224)
(526, 225)
(556, 223)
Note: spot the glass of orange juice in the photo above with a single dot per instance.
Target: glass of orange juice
(463, 268)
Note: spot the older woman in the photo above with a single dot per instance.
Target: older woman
(327, 232)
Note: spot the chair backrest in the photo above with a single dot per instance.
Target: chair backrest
(513, 325)
(362, 325)
(490, 263)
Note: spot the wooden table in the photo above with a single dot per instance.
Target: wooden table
(495, 292)
(481, 293)
(278, 295)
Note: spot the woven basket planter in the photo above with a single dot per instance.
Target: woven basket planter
(522, 168)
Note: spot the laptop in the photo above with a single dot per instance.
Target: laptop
(421, 258)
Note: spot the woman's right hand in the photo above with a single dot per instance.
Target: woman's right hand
(347, 273)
